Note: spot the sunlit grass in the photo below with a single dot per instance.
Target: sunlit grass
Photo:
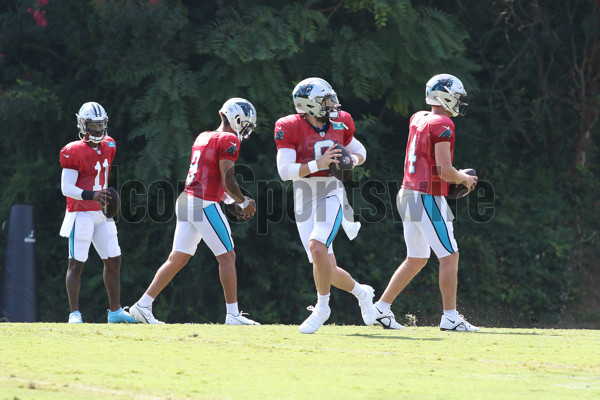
(100, 361)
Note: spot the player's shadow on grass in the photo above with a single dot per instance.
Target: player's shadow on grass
(371, 336)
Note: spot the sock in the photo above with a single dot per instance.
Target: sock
(357, 291)
(451, 313)
(145, 301)
(323, 300)
(383, 306)
(232, 308)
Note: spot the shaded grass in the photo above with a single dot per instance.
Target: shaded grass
(100, 361)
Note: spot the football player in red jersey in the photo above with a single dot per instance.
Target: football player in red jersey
(421, 202)
(86, 167)
(305, 148)
(199, 217)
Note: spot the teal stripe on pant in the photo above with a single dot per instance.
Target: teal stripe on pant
(72, 242)
(336, 227)
(214, 217)
(438, 222)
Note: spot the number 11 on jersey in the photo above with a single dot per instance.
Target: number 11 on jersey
(98, 168)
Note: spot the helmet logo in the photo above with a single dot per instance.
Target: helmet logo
(246, 109)
(442, 85)
(305, 90)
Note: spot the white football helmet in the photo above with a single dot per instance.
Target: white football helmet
(316, 97)
(446, 90)
(241, 115)
(92, 119)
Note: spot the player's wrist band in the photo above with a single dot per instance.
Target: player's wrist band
(87, 195)
(245, 203)
(355, 159)
(312, 166)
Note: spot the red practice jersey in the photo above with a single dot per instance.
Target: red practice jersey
(204, 176)
(93, 167)
(420, 172)
(294, 132)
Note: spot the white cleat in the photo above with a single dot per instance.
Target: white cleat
(367, 308)
(75, 318)
(143, 314)
(315, 320)
(458, 324)
(239, 319)
(386, 319)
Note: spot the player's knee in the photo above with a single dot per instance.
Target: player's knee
(317, 249)
(416, 263)
(113, 264)
(178, 258)
(449, 261)
(227, 258)
(80, 256)
(75, 266)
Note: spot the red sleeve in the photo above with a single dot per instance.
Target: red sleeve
(69, 158)
(349, 132)
(284, 136)
(228, 148)
(442, 131)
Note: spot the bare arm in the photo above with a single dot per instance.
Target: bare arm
(227, 168)
(443, 159)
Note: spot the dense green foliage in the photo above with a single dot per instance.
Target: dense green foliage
(162, 68)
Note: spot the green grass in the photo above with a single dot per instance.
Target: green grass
(100, 361)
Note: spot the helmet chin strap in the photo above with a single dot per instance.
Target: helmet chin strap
(242, 135)
(89, 139)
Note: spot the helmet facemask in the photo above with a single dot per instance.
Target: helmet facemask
(246, 129)
(330, 106)
(96, 130)
(452, 104)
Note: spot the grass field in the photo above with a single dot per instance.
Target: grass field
(100, 361)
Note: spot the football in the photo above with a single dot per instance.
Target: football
(456, 191)
(113, 205)
(234, 209)
(342, 170)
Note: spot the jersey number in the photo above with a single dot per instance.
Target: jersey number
(98, 168)
(193, 167)
(412, 157)
(321, 147)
